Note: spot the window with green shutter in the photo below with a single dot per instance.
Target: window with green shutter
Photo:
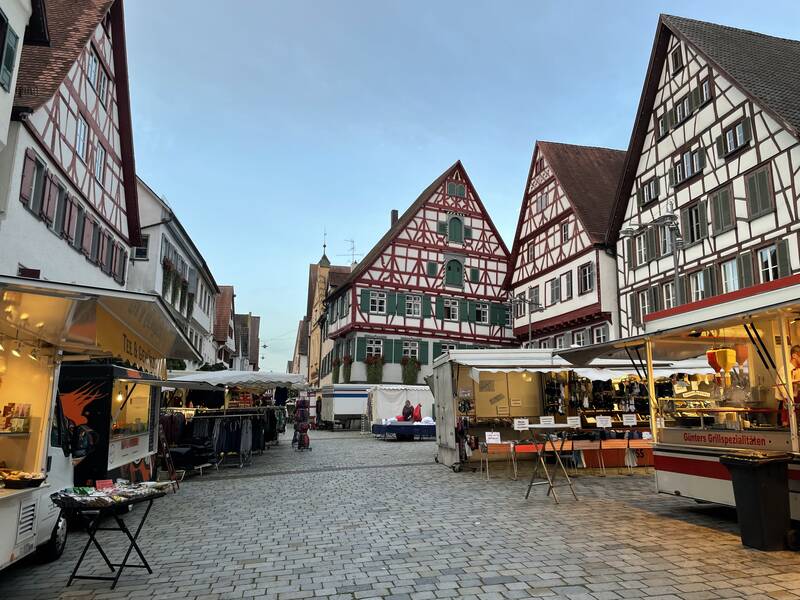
(8, 52)
(722, 210)
(759, 193)
(423, 352)
(454, 273)
(427, 311)
(364, 301)
(441, 227)
(456, 189)
(467, 233)
(474, 275)
(455, 230)
(433, 269)
(361, 349)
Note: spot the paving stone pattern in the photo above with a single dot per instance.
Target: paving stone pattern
(359, 518)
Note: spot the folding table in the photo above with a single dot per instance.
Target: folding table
(541, 437)
(93, 515)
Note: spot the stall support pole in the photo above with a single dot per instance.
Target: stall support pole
(651, 389)
(787, 373)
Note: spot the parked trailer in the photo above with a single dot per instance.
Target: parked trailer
(344, 404)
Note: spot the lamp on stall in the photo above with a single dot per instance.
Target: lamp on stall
(2, 348)
(17, 352)
(34, 354)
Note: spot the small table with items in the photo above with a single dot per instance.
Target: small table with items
(542, 435)
(93, 506)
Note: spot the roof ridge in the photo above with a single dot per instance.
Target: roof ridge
(551, 143)
(677, 19)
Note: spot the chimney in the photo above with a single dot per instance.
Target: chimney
(394, 217)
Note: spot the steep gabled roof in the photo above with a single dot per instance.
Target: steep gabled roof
(765, 68)
(301, 342)
(589, 176)
(408, 215)
(336, 275)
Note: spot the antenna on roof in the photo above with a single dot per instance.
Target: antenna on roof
(352, 251)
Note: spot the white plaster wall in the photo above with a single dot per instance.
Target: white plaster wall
(17, 12)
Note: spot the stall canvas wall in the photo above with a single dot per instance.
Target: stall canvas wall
(387, 402)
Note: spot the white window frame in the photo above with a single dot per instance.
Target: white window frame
(102, 85)
(665, 240)
(697, 286)
(641, 249)
(377, 302)
(545, 343)
(519, 305)
(599, 334)
(695, 230)
(644, 305)
(374, 347)
(565, 232)
(682, 111)
(531, 251)
(451, 309)
(541, 202)
(554, 291)
(768, 264)
(729, 276)
(413, 305)
(482, 313)
(145, 245)
(99, 162)
(81, 138)
(566, 286)
(585, 278)
(92, 67)
(559, 341)
(705, 91)
(411, 349)
(448, 347)
(668, 294)
(579, 337)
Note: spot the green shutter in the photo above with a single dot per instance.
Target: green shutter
(400, 306)
(398, 350)
(631, 254)
(391, 303)
(365, 301)
(463, 311)
(716, 212)
(9, 56)
(671, 174)
(433, 269)
(361, 349)
(437, 349)
(441, 227)
(753, 203)
(765, 201)
(687, 234)
(784, 264)
(426, 307)
(474, 275)
(423, 352)
(439, 307)
(650, 244)
(748, 129)
(703, 211)
(455, 229)
(710, 281)
(720, 144)
(744, 265)
(726, 212)
(467, 233)
(634, 297)
(454, 273)
(640, 196)
(495, 314)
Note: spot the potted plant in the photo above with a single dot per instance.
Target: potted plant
(411, 368)
(347, 366)
(335, 371)
(374, 369)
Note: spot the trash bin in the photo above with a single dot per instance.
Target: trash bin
(761, 490)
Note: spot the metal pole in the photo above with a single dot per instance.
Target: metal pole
(676, 278)
(651, 390)
(787, 370)
(530, 311)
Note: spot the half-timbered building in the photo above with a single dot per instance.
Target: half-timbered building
(714, 148)
(68, 199)
(563, 279)
(433, 282)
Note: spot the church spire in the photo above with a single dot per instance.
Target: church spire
(324, 262)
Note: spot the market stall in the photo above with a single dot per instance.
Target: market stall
(44, 325)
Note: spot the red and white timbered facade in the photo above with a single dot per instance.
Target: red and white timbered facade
(434, 282)
(70, 209)
(715, 145)
(563, 277)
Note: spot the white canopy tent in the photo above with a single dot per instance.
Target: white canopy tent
(252, 381)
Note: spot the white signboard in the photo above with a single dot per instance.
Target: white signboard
(493, 437)
(547, 420)
(574, 421)
(521, 424)
(603, 421)
(629, 420)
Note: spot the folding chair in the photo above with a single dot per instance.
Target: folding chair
(502, 448)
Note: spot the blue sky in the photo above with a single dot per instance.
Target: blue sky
(263, 123)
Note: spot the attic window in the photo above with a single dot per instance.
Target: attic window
(676, 58)
(456, 189)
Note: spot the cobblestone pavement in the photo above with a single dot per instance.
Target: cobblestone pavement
(359, 518)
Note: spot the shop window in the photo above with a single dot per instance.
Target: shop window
(454, 273)
(413, 305)
(730, 276)
(586, 278)
(450, 309)
(482, 313)
(377, 303)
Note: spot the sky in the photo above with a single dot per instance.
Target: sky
(265, 124)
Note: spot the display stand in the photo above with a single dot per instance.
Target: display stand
(541, 437)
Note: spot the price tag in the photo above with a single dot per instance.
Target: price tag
(660, 422)
(574, 421)
(521, 424)
(547, 420)
(604, 421)
(629, 420)
(493, 437)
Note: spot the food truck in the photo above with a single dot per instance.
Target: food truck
(745, 403)
(47, 433)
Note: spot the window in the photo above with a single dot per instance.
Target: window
(579, 337)
(759, 193)
(456, 189)
(377, 303)
(585, 278)
(600, 334)
(644, 305)
(81, 134)
(564, 232)
(695, 225)
(665, 240)
(531, 251)
(566, 285)
(683, 109)
(668, 294)
(140, 252)
(411, 349)
(506, 317)
(455, 230)
(697, 286)
(35, 185)
(538, 166)
(99, 162)
(519, 305)
(482, 313)
(648, 192)
(554, 286)
(663, 125)
(92, 66)
(448, 347)
(374, 347)
(641, 249)
(768, 263)
(60, 223)
(450, 309)
(722, 210)
(730, 276)
(676, 58)
(734, 137)
(433, 269)
(8, 52)
(533, 298)
(541, 202)
(559, 342)
(413, 306)
(545, 343)
(454, 273)
(102, 85)
(705, 91)
(690, 163)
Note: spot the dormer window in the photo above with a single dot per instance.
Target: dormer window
(459, 190)
(676, 58)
